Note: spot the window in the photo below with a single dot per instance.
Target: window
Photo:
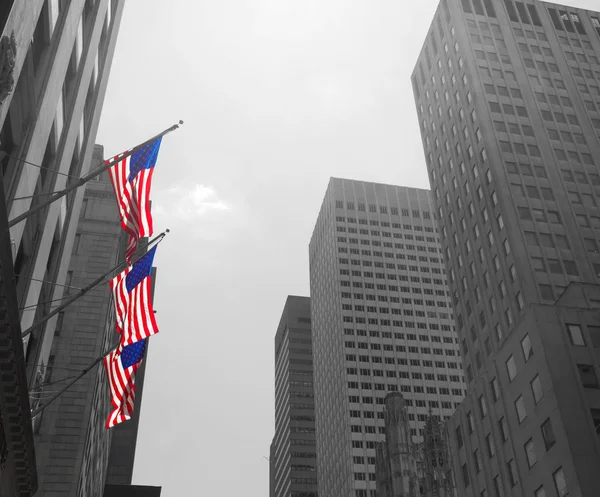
(588, 375)
(526, 347)
(530, 452)
(575, 334)
(539, 492)
(512, 467)
(482, 407)
(465, 475)
(470, 422)
(560, 483)
(495, 389)
(477, 459)
(520, 408)
(459, 437)
(511, 368)
(548, 434)
(503, 429)
(489, 443)
(536, 388)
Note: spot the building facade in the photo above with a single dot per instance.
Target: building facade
(62, 57)
(508, 99)
(292, 461)
(55, 59)
(381, 322)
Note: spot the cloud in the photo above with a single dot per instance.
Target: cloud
(189, 203)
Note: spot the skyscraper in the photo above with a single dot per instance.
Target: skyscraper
(55, 62)
(508, 99)
(381, 322)
(293, 470)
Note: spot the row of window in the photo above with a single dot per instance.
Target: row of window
(385, 298)
(385, 234)
(392, 288)
(392, 374)
(386, 310)
(389, 255)
(402, 374)
(389, 276)
(397, 323)
(408, 336)
(412, 388)
(394, 211)
(399, 348)
(385, 224)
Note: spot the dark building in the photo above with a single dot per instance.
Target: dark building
(293, 467)
(508, 99)
(381, 322)
(55, 59)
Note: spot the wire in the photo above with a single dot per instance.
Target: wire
(51, 383)
(41, 167)
(43, 303)
(46, 281)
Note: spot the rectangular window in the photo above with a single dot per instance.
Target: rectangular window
(526, 347)
(548, 434)
(503, 429)
(489, 443)
(470, 422)
(530, 452)
(588, 375)
(511, 368)
(520, 408)
(575, 334)
(465, 475)
(536, 388)
(459, 437)
(560, 483)
(512, 472)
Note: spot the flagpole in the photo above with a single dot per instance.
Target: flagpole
(92, 174)
(86, 289)
(69, 385)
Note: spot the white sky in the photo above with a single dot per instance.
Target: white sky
(277, 96)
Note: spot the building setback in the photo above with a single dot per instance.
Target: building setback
(508, 99)
(293, 471)
(381, 322)
(56, 59)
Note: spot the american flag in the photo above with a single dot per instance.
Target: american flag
(132, 292)
(131, 179)
(120, 369)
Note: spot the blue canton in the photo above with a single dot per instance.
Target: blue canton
(141, 269)
(132, 354)
(145, 158)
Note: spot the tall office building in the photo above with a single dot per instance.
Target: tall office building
(293, 470)
(508, 99)
(55, 59)
(381, 322)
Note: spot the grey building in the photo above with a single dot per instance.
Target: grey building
(71, 441)
(508, 99)
(55, 61)
(293, 471)
(381, 322)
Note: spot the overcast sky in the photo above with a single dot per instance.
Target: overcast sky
(277, 96)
